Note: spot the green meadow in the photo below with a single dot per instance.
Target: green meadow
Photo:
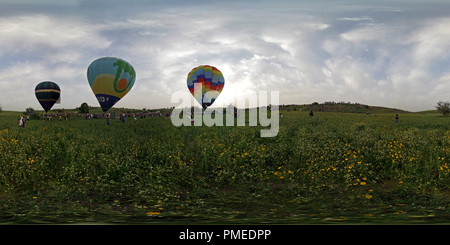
(333, 168)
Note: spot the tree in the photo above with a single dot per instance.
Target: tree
(443, 107)
(29, 111)
(84, 108)
(1, 109)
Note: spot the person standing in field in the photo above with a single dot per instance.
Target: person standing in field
(396, 118)
(22, 122)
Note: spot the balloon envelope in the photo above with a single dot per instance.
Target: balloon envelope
(47, 93)
(110, 79)
(205, 83)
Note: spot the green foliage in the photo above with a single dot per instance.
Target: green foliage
(29, 111)
(84, 108)
(443, 107)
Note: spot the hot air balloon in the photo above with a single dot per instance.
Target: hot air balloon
(110, 79)
(205, 83)
(47, 94)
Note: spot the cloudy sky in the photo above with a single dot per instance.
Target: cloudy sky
(386, 53)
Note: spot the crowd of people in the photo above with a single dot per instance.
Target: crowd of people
(108, 116)
(125, 115)
(122, 116)
(61, 116)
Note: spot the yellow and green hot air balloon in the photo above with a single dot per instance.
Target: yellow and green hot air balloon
(110, 79)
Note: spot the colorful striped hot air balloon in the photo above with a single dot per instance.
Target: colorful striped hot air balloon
(110, 79)
(47, 93)
(205, 83)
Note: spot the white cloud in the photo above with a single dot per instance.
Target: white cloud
(356, 19)
(30, 33)
(367, 53)
(432, 41)
(367, 32)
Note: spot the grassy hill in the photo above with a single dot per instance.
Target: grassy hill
(343, 107)
(316, 107)
(335, 168)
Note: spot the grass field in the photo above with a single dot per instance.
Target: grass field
(333, 168)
